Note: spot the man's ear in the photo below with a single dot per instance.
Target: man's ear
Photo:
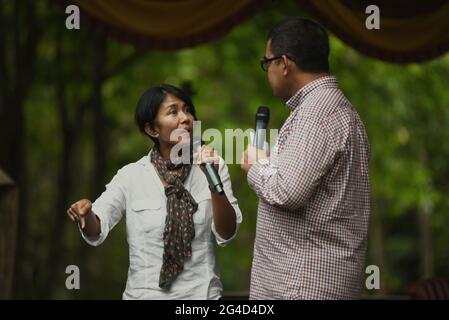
(153, 132)
(286, 65)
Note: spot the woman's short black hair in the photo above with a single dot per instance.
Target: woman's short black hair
(150, 102)
(302, 40)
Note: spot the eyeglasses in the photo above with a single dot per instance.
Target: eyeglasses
(266, 62)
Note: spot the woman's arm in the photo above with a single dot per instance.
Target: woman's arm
(81, 211)
(224, 215)
(223, 212)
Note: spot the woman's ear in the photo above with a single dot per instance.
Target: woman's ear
(151, 131)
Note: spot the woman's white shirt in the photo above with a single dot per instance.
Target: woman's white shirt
(137, 194)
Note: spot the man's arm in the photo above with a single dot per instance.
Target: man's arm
(305, 158)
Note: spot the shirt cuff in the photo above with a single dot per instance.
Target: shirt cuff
(96, 240)
(255, 173)
(223, 242)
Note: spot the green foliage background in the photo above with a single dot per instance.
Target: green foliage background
(405, 110)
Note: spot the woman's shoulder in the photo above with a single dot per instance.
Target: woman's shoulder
(136, 166)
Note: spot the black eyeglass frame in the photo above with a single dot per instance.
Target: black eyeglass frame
(266, 62)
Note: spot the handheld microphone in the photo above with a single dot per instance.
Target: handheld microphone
(262, 118)
(212, 174)
(214, 177)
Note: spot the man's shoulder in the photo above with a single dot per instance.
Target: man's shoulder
(330, 105)
(337, 118)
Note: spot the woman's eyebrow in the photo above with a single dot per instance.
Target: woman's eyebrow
(175, 104)
(171, 105)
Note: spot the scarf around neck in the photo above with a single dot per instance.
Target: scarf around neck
(179, 228)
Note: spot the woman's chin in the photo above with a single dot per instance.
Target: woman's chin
(183, 149)
(183, 140)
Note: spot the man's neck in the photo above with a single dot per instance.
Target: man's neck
(302, 79)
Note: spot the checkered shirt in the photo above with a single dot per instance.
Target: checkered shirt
(314, 201)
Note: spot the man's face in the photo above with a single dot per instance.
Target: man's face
(275, 77)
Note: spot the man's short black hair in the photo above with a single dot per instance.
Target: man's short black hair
(150, 103)
(304, 41)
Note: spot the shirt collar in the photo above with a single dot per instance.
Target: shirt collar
(145, 160)
(299, 97)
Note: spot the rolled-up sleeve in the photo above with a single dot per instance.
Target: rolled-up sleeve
(305, 158)
(109, 208)
(227, 188)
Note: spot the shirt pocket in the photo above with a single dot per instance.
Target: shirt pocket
(148, 213)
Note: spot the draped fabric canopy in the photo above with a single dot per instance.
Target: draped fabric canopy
(410, 31)
(167, 25)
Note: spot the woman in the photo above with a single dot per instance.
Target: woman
(172, 215)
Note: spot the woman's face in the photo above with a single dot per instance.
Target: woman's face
(174, 121)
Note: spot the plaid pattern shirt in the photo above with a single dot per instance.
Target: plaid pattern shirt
(314, 201)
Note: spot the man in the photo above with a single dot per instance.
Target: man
(314, 189)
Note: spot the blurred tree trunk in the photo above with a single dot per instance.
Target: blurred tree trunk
(99, 134)
(377, 247)
(425, 228)
(9, 205)
(425, 241)
(20, 35)
(64, 176)
(100, 125)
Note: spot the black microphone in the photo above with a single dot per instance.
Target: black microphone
(262, 118)
(214, 177)
(212, 174)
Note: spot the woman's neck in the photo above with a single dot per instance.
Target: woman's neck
(165, 150)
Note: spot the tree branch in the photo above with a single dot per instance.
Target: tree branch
(122, 64)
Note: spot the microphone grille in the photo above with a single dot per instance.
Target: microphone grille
(263, 113)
